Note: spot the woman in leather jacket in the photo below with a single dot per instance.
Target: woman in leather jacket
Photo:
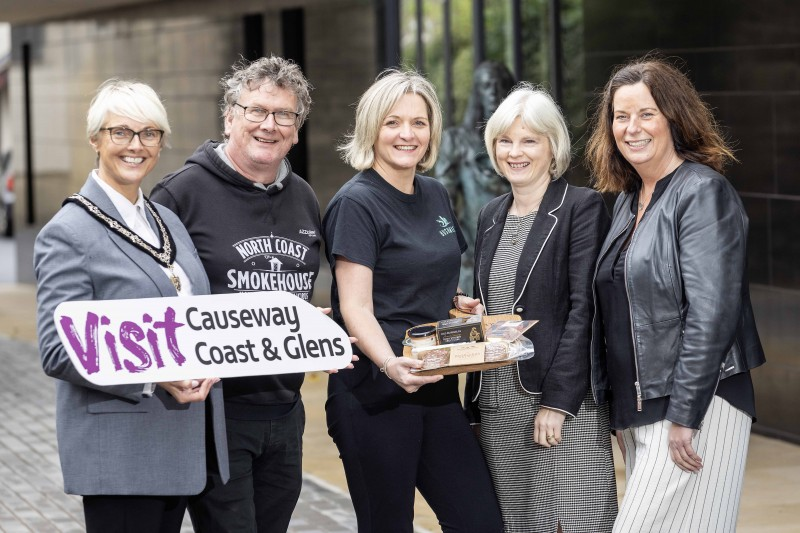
(674, 336)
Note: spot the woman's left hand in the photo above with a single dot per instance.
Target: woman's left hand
(190, 390)
(547, 427)
(681, 450)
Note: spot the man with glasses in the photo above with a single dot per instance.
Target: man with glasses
(256, 227)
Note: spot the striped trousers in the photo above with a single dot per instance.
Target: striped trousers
(660, 497)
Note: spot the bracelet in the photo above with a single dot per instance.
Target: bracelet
(385, 366)
(455, 299)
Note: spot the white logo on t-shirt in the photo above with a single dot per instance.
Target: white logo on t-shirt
(274, 263)
(446, 225)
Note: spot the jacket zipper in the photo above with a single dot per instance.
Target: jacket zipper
(630, 312)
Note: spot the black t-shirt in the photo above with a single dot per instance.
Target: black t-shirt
(413, 245)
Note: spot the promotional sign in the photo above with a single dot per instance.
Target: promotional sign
(151, 340)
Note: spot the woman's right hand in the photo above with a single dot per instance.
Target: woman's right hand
(621, 444)
(190, 390)
(465, 304)
(398, 369)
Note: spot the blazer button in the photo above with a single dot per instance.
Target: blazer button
(519, 309)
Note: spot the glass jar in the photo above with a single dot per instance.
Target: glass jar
(420, 336)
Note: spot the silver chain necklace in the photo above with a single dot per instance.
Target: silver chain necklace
(165, 255)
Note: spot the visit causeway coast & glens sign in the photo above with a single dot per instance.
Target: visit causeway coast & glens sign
(151, 340)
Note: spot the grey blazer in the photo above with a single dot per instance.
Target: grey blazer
(114, 440)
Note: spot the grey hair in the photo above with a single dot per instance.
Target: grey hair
(539, 113)
(280, 72)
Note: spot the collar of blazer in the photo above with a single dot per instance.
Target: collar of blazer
(543, 226)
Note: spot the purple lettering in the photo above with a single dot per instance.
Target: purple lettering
(153, 340)
(89, 356)
(169, 325)
(129, 333)
(111, 343)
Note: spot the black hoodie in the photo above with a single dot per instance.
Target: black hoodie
(249, 238)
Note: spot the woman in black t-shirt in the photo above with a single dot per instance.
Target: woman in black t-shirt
(394, 247)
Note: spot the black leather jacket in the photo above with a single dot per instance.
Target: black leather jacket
(692, 321)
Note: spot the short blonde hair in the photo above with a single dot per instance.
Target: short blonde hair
(539, 113)
(132, 99)
(373, 107)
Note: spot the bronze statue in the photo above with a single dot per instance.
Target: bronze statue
(464, 166)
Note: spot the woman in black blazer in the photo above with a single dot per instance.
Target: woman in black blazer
(546, 441)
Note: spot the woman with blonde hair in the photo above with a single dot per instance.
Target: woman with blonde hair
(394, 248)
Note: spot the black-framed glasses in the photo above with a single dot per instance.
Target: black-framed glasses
(258, 114)
(124, 136)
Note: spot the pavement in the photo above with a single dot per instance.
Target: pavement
(31, 490)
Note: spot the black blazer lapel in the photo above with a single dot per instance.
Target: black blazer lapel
(543, 227)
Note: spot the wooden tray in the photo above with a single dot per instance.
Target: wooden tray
(459, 369)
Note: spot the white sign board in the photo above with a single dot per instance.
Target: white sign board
(151, 340)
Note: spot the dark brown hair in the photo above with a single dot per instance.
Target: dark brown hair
(695, 133)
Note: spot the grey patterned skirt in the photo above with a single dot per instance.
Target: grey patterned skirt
(538, 488)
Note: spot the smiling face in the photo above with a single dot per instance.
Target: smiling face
(642, 132)
(523, 156)
(257, 148)
(403, 138)
(124, 166)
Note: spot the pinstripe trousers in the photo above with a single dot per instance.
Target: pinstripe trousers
(660, 497)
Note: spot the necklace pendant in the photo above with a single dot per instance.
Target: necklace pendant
(173, 277)
(176, 281)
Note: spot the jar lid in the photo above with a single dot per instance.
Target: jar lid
(421, 331)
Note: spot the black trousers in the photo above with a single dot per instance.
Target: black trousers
(388, 452)
(266, 462)
(134, 514)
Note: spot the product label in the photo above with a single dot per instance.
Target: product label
(467, 354)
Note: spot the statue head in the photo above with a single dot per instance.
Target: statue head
(491, 83)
